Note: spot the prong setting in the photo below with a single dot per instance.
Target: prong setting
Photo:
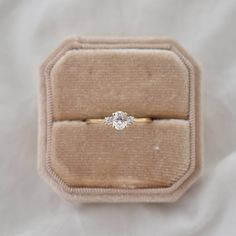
(119, 120)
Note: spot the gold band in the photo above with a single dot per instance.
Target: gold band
(99, 121)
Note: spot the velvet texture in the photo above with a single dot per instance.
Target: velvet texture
(144, 83)
(144, 155)
(146, 78)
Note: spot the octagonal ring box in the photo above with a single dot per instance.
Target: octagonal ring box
(90, 78)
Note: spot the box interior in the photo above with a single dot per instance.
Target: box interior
(94, 83)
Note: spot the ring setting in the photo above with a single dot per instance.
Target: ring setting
(119, 120)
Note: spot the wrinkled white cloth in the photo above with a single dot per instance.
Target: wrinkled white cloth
(29, 30)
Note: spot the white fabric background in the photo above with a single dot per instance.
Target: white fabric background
(29, 30)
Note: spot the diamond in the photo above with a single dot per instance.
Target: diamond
(109, 120)
(119, 120)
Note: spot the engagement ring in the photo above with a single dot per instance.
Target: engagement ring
(119, 120)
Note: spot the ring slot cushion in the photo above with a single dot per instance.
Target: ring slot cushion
(88, 78)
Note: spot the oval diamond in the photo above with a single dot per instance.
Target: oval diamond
(119, 120)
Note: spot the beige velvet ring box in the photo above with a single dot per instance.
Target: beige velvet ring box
(90, 78)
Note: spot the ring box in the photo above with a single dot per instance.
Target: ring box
(90, 78)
